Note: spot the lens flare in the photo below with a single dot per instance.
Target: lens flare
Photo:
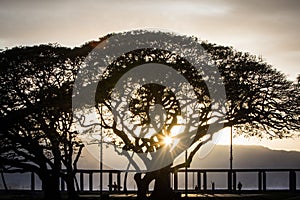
(168, 140)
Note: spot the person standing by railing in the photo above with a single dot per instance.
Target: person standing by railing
(240, 185)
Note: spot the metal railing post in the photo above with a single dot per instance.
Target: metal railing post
(91, 181)
(292, 181)
(32, 181)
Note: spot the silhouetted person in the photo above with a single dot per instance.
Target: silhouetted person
(239, 187)
(115, 186)
(196, 188)
(212, 187)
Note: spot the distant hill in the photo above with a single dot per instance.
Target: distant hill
(243, 157)
(248, 157)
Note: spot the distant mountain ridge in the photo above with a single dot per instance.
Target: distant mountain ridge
(245, 156)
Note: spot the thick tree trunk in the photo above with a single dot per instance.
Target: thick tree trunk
(162, 188)
(72, 194)
(50, 186)
(142, 185)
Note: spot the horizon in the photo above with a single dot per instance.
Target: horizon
(287, 144)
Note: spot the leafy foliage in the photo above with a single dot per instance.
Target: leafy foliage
(260, 99)
(36, 113)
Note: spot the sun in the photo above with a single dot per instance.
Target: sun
(168, 140)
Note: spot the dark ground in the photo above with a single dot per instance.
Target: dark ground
(21, 195)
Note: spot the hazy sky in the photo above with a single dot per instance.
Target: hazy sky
(270, 28)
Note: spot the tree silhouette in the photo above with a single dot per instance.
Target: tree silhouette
(36, 115)
(143, 112)
(260, 101)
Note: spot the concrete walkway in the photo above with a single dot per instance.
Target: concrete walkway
(131, 196)
(267, 196)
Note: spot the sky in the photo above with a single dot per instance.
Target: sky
(268, 28)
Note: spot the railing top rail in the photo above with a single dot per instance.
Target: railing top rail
(239, 170)
(196, 170)
(181, 170)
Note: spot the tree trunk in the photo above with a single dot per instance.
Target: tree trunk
(162, 187)
(142, 184)
(72, 194)
(50, 186)
(3, 181)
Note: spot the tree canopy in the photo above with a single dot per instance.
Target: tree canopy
(147, 88)
(260, 101)
(36, 114)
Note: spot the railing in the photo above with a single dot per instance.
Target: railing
(114, 179)
(231, 176)
(91, 175)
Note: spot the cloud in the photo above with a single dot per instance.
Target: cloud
(269, 28)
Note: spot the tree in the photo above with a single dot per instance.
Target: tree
(154, 118)
(259, 100)
(36, 115)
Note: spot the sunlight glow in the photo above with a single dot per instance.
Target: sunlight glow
(175, 130)
(178, 128)
(288, 144)
(168, 140)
